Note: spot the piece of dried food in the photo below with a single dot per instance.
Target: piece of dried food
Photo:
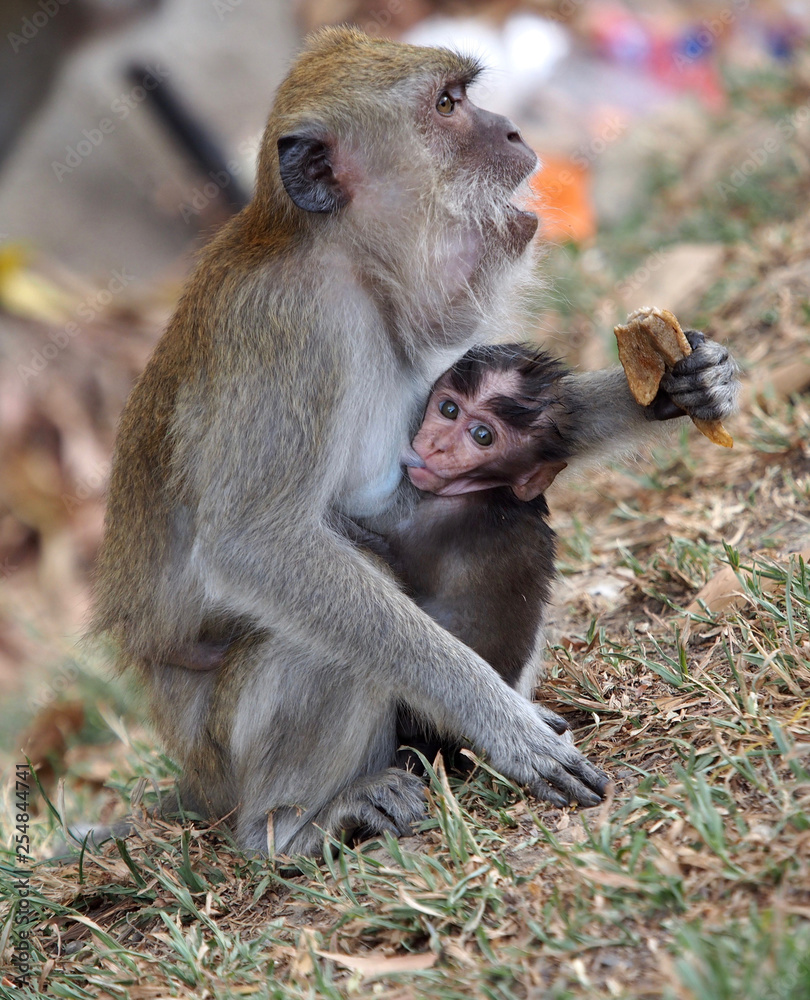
(650, 342)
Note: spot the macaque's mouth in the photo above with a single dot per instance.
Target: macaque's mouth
(431, 482)
(423, 479)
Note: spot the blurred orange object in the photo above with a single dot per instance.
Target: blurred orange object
(561, 197)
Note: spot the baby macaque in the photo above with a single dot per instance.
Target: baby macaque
(477, 552)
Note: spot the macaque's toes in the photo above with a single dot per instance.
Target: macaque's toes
(593, 777)
(399, 795)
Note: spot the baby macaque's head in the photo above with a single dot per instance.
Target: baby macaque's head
(493, 420)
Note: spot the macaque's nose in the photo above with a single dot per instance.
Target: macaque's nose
(432, 447)
(431, 441)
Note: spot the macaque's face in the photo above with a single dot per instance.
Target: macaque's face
(465, 447)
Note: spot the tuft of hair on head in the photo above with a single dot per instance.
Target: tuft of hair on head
(535, 368)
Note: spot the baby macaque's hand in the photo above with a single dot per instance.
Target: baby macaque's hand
(676, 372)
(704, 384)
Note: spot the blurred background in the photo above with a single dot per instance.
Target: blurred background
(675, 139)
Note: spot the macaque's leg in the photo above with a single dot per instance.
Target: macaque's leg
(313, 744)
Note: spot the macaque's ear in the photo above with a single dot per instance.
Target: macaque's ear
(539, 481)
(308, 173)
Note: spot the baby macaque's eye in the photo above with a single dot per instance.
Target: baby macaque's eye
(482, 435)
(448, 409)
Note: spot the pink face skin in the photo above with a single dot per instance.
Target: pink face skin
(465, 448)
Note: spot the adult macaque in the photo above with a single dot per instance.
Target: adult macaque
(380, 245)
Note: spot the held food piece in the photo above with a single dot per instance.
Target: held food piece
(650, 342)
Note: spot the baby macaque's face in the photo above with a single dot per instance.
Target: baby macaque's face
(466, 447)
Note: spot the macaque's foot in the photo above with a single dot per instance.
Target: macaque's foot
(388, 802)
(704, 384)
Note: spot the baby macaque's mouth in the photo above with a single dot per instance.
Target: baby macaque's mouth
(423, 479)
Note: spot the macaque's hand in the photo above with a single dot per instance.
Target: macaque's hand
(553, 770)
(557, 722)
(703, 385)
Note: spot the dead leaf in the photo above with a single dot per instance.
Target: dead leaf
(377, 964)
(45, 740)
(724, 591)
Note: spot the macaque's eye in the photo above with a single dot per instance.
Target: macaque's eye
(448, 409)
(445, 104)
(482, 435)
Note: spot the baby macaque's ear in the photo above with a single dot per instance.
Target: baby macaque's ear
(538, 481)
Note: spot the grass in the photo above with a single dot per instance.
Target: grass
(691, 882)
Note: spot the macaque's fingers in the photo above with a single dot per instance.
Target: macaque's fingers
(543, 791)
(573, 788)
(552, 759)
(695, 338)
(711, 403)
(708, 354)
(557, 722)
(664, 408)
(400, 795)
(560, 764)
(390, 801)
(705, 384)
(594, 777)
(371, 822)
